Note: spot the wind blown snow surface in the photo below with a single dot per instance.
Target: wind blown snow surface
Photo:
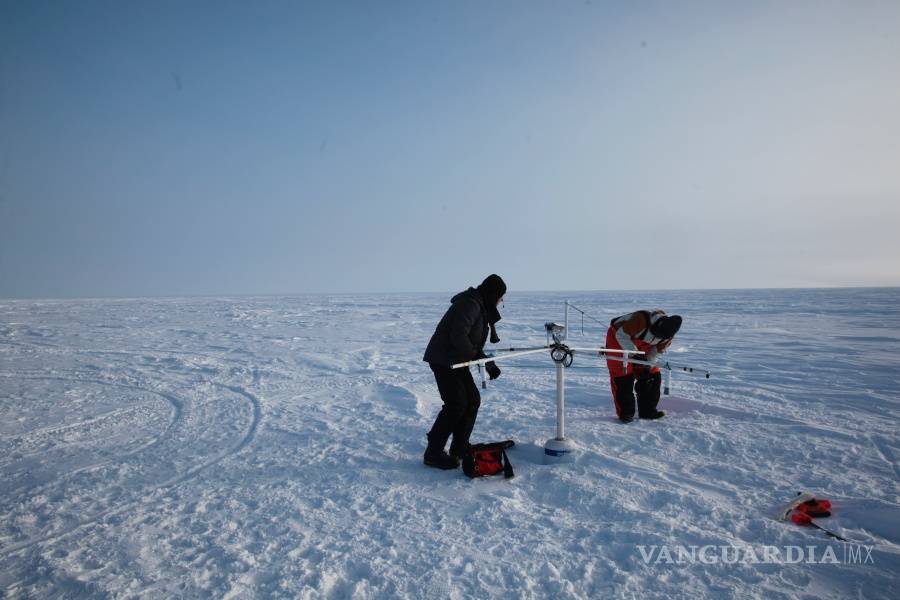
(271, 447)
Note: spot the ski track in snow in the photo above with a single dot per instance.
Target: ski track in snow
(181, 477)
(271, 447)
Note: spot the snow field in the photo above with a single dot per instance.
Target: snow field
(271, 447)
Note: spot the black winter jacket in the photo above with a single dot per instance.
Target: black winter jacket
(461, 333)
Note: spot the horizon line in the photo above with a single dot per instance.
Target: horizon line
(396, 293)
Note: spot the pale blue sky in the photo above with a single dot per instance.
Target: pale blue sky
(173, 148)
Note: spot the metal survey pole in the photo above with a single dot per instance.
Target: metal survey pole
(560, 401)
(559, 449)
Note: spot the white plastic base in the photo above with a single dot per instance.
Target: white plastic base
(559, 451)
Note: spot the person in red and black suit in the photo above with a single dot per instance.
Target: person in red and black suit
(650, 332)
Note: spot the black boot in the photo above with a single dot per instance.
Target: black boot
(440, 459)
(623, 395)
(647, 388)
(658, 414)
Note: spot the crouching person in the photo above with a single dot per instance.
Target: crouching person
(650, 332)
(459, 337)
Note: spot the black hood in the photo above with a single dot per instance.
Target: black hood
(666, 327)
(492, 289)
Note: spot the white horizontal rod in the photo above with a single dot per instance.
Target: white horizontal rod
(607, 350)
(607, 353)
(633, 361)
(662, 364)
(521, 349)
(482, 361)
(687, 369)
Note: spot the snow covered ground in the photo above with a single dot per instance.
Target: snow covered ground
(271, 447)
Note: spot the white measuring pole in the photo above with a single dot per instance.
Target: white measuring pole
(559, 449)
(560, 401)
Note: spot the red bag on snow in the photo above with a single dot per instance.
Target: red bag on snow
(488, 459)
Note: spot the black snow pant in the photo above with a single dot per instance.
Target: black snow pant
(457, 417)
(645, 385)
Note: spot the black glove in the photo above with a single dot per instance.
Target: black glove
(492, 369)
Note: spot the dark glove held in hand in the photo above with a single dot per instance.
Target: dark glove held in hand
(492, 369)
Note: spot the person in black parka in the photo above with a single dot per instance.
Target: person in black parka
(459, 337)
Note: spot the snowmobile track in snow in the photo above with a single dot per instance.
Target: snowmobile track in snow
(177, 419)
(243, 443)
